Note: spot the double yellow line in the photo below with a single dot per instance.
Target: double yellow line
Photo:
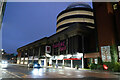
(16, 75)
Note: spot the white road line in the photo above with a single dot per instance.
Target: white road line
(13, 74)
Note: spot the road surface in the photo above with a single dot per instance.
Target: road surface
(12, 71)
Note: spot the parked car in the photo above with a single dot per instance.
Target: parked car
(4, 62)
(34, 65)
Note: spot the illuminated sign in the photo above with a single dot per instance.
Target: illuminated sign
(73, 59)
(60, 45)
(105, 52)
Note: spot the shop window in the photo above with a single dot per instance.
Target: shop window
(54, 62)
(77, 63)
(68, 63)
(60, 62)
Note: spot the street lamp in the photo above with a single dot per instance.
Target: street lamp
(1, 53)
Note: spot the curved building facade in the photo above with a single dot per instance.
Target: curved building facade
(75, 13)
(71, 47)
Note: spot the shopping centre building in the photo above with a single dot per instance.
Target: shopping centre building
(74, 44)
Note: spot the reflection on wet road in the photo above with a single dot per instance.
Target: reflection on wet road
(24, 72)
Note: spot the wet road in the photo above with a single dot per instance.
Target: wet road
(22, 72)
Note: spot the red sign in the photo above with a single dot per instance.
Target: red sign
(72, 59)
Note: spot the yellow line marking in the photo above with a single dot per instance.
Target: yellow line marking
(13, 74)
(21, 73)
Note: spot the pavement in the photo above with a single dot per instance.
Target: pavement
(14, 71)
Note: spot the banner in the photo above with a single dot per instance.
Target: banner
(105, 52)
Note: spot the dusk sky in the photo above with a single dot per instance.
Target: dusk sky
(24, 22)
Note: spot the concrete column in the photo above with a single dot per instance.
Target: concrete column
(45, 59)
(52, 49)
(63, 62)
(28, 55)
(33, 56)
(59, 48)
(45, 63)
(83, 51)
(20, 57)
(39, 61)
(71, 63)
(50, 62)
(67, 46)
(56, 61)
(20, 60)
(82, 62)
(39, 54)
(24, 57)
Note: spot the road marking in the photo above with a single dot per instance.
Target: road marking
(24, 75)
(13, 74)
(21, 73)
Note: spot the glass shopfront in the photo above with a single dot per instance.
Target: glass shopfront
(53, 62)
(67, 63)
(60, 62)
(77, 63)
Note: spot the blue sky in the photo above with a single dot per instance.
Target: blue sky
(25, 22)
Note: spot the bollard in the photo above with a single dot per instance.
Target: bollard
(76, 67)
